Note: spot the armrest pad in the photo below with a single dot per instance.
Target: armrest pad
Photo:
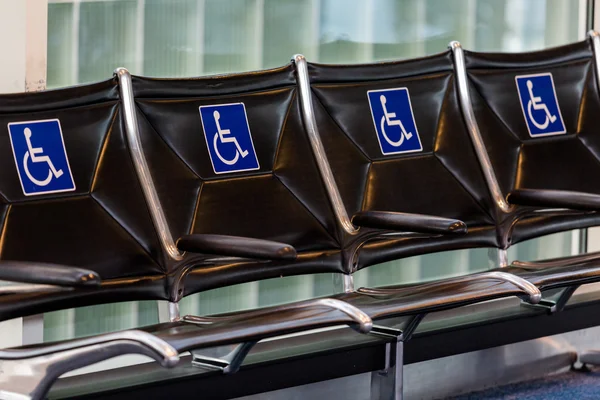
(408, 222)
(555, 199)
(47, 274)
(236, 246)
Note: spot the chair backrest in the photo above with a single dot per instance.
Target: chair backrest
(228, 155)
(536, 113)
(429, 169)
(69, 195)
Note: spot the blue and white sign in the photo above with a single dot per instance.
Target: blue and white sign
(228, 138)
(41, 157)
(540, 105)
(394, 121)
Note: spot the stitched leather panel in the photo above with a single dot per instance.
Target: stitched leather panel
(443, 179)
(562, 161)
(102, 225)
(283, 200)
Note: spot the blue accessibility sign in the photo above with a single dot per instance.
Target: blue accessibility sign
(228, 138)
(394, 121)
(41, 157)
(540, 105)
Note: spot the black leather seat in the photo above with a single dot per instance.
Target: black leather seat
(102, 226)
(440, 180)
(537, 171)
(281, 200)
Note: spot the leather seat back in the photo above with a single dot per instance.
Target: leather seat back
(524, 156)
(93, 215)
(276, 196)
(439, 176)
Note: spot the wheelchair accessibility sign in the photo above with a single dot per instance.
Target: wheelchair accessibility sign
(394, 121)
(540, 105)
(41, 158)
(228, 138)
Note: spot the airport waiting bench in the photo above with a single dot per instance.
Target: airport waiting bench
(130, 189)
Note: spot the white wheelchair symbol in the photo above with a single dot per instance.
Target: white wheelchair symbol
(222, 135)
(535, 103)
(32, 154)
(388, 119)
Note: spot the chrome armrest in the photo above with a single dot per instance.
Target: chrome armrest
(529, 288)
(355, 315)
(30, 372)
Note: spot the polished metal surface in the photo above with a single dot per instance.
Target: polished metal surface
(29, 373)
(141, 166)
(502, 258)
(529, 288)
(388, 383)
(356, 315)
(310, 124)
(228, 363)
(158, 346)
(343, 283)
(595, 38)
(174, 314)
(473, 128)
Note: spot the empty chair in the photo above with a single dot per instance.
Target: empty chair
(531, 119)
(394, 140)
(533, 125)
(77, 229)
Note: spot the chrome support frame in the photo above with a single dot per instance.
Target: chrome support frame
(173, 310)
(343, 283)
(498, 258)
(473, 128)
(141, 166)
(387, 384)
(29, 373)
(533, 293)
(310, 124)
(228, 363)
(553, 306)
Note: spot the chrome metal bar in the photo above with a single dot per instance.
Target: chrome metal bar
(228, 363)
(141, 166)
(174, 314)
(152, 342)
(473, 128)
(553, 306)
(310, 124)
(387, 384)
(502, 258)
(356, 315)
(343, 283)
(595, 38)
(29, 373)
(529, 288)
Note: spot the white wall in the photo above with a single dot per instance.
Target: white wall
(23, 32)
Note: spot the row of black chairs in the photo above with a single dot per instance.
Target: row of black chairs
(154, 189)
